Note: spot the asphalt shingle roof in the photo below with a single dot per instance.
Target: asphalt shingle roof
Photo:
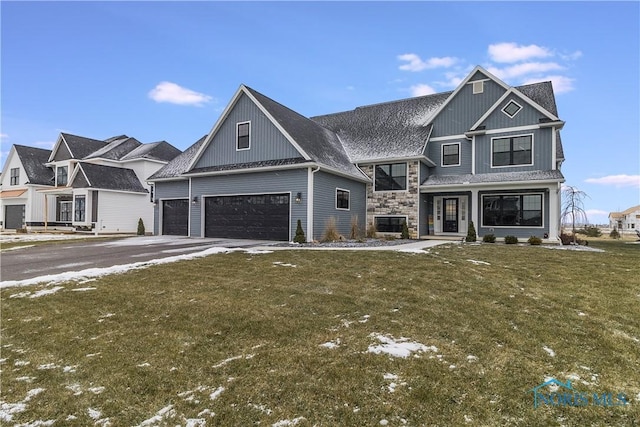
(80, 146)
(436, 180)
(388, 130)
(180, 163)
(320, 143)
(112, 178)
(116, 149)
(161, 150)
(236, 166)
(33, 160)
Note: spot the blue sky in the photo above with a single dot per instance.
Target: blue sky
(166, 70)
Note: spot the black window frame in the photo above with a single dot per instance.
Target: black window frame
(508, 210)
(65, 175)
(444, 156)
(14, 177)
(243, 141)
(512, 154)
(80, 208)
(389, 224)
(343, 199)
(386, 180)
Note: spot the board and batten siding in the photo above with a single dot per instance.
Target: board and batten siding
(288, 181)
(526, 116)
(435, 154)
(466, 108)
(324, 204)
(266, 141)
(542, 147)
(119, 212)
(167, 190)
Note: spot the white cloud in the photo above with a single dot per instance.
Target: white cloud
(415, 63)
(421, 90)
(571, 56)
(3, 136)
(617, 180)
(561, 84)
(526, 68)
(511, 52)
(176, 94)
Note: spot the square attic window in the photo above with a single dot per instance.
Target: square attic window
(512, 108)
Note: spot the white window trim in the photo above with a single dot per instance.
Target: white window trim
(524, 227)
(348, 200)
(238, 136)
(406, 184)
(519, 165)
(507, 104)
(442, 155)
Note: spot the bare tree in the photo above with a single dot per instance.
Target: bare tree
(573, 208)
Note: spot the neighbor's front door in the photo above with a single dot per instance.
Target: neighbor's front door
(450, 219)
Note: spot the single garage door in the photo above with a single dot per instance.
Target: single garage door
(260, 216)
(175, 217)
(14, 217)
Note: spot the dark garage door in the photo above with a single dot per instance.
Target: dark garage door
(14, 217)
(175, 217)
(261, 216)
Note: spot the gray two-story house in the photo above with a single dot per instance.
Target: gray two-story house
(485, 152)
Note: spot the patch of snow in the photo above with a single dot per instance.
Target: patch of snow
(400, 347)
(75, 388)
(21, 363)
(468, 419)
(285, 423)
(549, 351)
(452, 366)
(282, 264)
(25, 379)
(206, 412)
(48, 366)
(216, 393)
(93, 354)
(472, 358)
(581, 314)
(144, 365)
(261, 408)
(83, 289)
(37, 423)
(413, 251)
(364, 319)
(167, 411)
(44, 292)
(573, 248)
(94, 413)
(331, 344)
(389, 376)
(8, 410)
(476, 262)
(195, 422)
(384, 422)
(258, 251)
(96, 390)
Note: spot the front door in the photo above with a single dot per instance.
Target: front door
(450, 219)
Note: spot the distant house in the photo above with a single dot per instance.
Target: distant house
(485, 152)
(626, 221)
(83, 183)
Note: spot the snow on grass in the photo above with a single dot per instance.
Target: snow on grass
(37, 423)
(231, 359)
(83, 289)
(285, 423)
(116, 269)
(282, 264)
(166, 412)
(573, 248)
(413, 251)
(216, 393)
(476, 262)
(472, 358)
(261, 408)
(549, 351)
(8, 410)
(331, 344)
(400, 347)
(39, 237)
(48, 366)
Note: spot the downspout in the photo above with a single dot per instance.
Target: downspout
(310, 182)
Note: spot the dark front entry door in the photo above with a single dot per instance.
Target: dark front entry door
(450, 221)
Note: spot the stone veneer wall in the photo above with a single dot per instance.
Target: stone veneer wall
(396, 202)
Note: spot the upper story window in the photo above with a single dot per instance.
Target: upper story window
(512, 151)
(15, 176)
(512, 108)
(62, 175)
(391, 177)
(451, 154)
(243, 132)
(342, 199)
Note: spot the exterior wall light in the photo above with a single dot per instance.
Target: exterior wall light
(298, 197)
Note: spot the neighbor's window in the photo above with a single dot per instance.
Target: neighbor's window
(80, 209)
(513, 150)
(342, 199)
(522, 210)
(243, 136)
(389, 224)
(391, 177)
(64, 210)
(62, 175)
(15, 176)
(451, 155)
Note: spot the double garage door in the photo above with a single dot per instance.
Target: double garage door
(256, 216)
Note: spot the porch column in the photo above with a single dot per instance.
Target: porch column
(473, 206)
(554, 211)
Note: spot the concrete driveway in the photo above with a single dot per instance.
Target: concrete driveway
(30, 262)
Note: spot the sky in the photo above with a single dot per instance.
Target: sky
(166, 70)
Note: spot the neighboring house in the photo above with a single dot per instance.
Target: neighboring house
(97, 185)
(626, 221)
(24, 173)
(485, 152)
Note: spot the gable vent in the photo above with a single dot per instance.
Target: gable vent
(478, 87)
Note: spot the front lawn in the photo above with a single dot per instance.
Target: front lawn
(317, 337)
